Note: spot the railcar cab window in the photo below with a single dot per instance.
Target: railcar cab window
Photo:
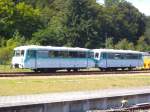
(19, 53)
(96, 55)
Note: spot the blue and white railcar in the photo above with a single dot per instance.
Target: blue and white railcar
(114, 59)
(48, 58)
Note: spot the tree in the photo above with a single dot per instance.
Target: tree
(110, 3)
(21, 17)
(27, 19)
(83, 24)
(125, 21)
(6, 14)
(147, 31)
(109, 43)
(124, 44)
(6, 51)
(142, 44)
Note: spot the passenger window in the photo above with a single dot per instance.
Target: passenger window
(53, 54)
(96, 55)
(90, 54)
(63, 54)
(103, 55)
(42, 54)
(31, 54)
(82, 54)
(73, 54)
(118, 56)
(140, 56)
(132, 56)
(111, 56)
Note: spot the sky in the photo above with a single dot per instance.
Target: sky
(142, 5)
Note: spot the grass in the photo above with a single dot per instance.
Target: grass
(7, 68)
(36, 85)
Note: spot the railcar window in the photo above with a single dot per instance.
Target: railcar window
(81, 54)
(118, 56)
(73, 54)
(132, 56)
(63, 54)
(114, 56)
(42, 54)
(96, 55)
(140, 56)
(103, 55)
(22, 52)
(31, 53)
(53, 54)
(111, 56)
(90, 54)
(17, 53)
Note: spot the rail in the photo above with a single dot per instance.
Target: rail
(64, 73)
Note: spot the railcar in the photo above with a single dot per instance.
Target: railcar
(146, 58)
(49, 58)
(109, 59)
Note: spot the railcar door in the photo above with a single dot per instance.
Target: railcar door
(102, 60)
(31, 61)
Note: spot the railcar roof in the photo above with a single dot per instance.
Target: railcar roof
(36, 47)
(146, 53)
(116, 51)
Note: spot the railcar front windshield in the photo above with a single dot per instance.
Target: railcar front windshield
(18, 53)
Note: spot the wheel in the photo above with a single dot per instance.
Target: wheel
(75, 70)
(53, 70)
(130, 68)
(123, 69)
(36, 70)
(69, 70)
(102, 69)
(16, 66)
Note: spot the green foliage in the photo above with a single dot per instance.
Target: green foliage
(147, 31)
(125, 21)
(6, 13)
(82, 24)
(21, 17)
(110, 3)
(6, 51)
(142, 44)
(124, 44)
(26, 19)
(109, 43)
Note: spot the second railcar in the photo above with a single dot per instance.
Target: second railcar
(115, 59)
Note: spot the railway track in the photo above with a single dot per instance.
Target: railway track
(143, 107)
(64, 73)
